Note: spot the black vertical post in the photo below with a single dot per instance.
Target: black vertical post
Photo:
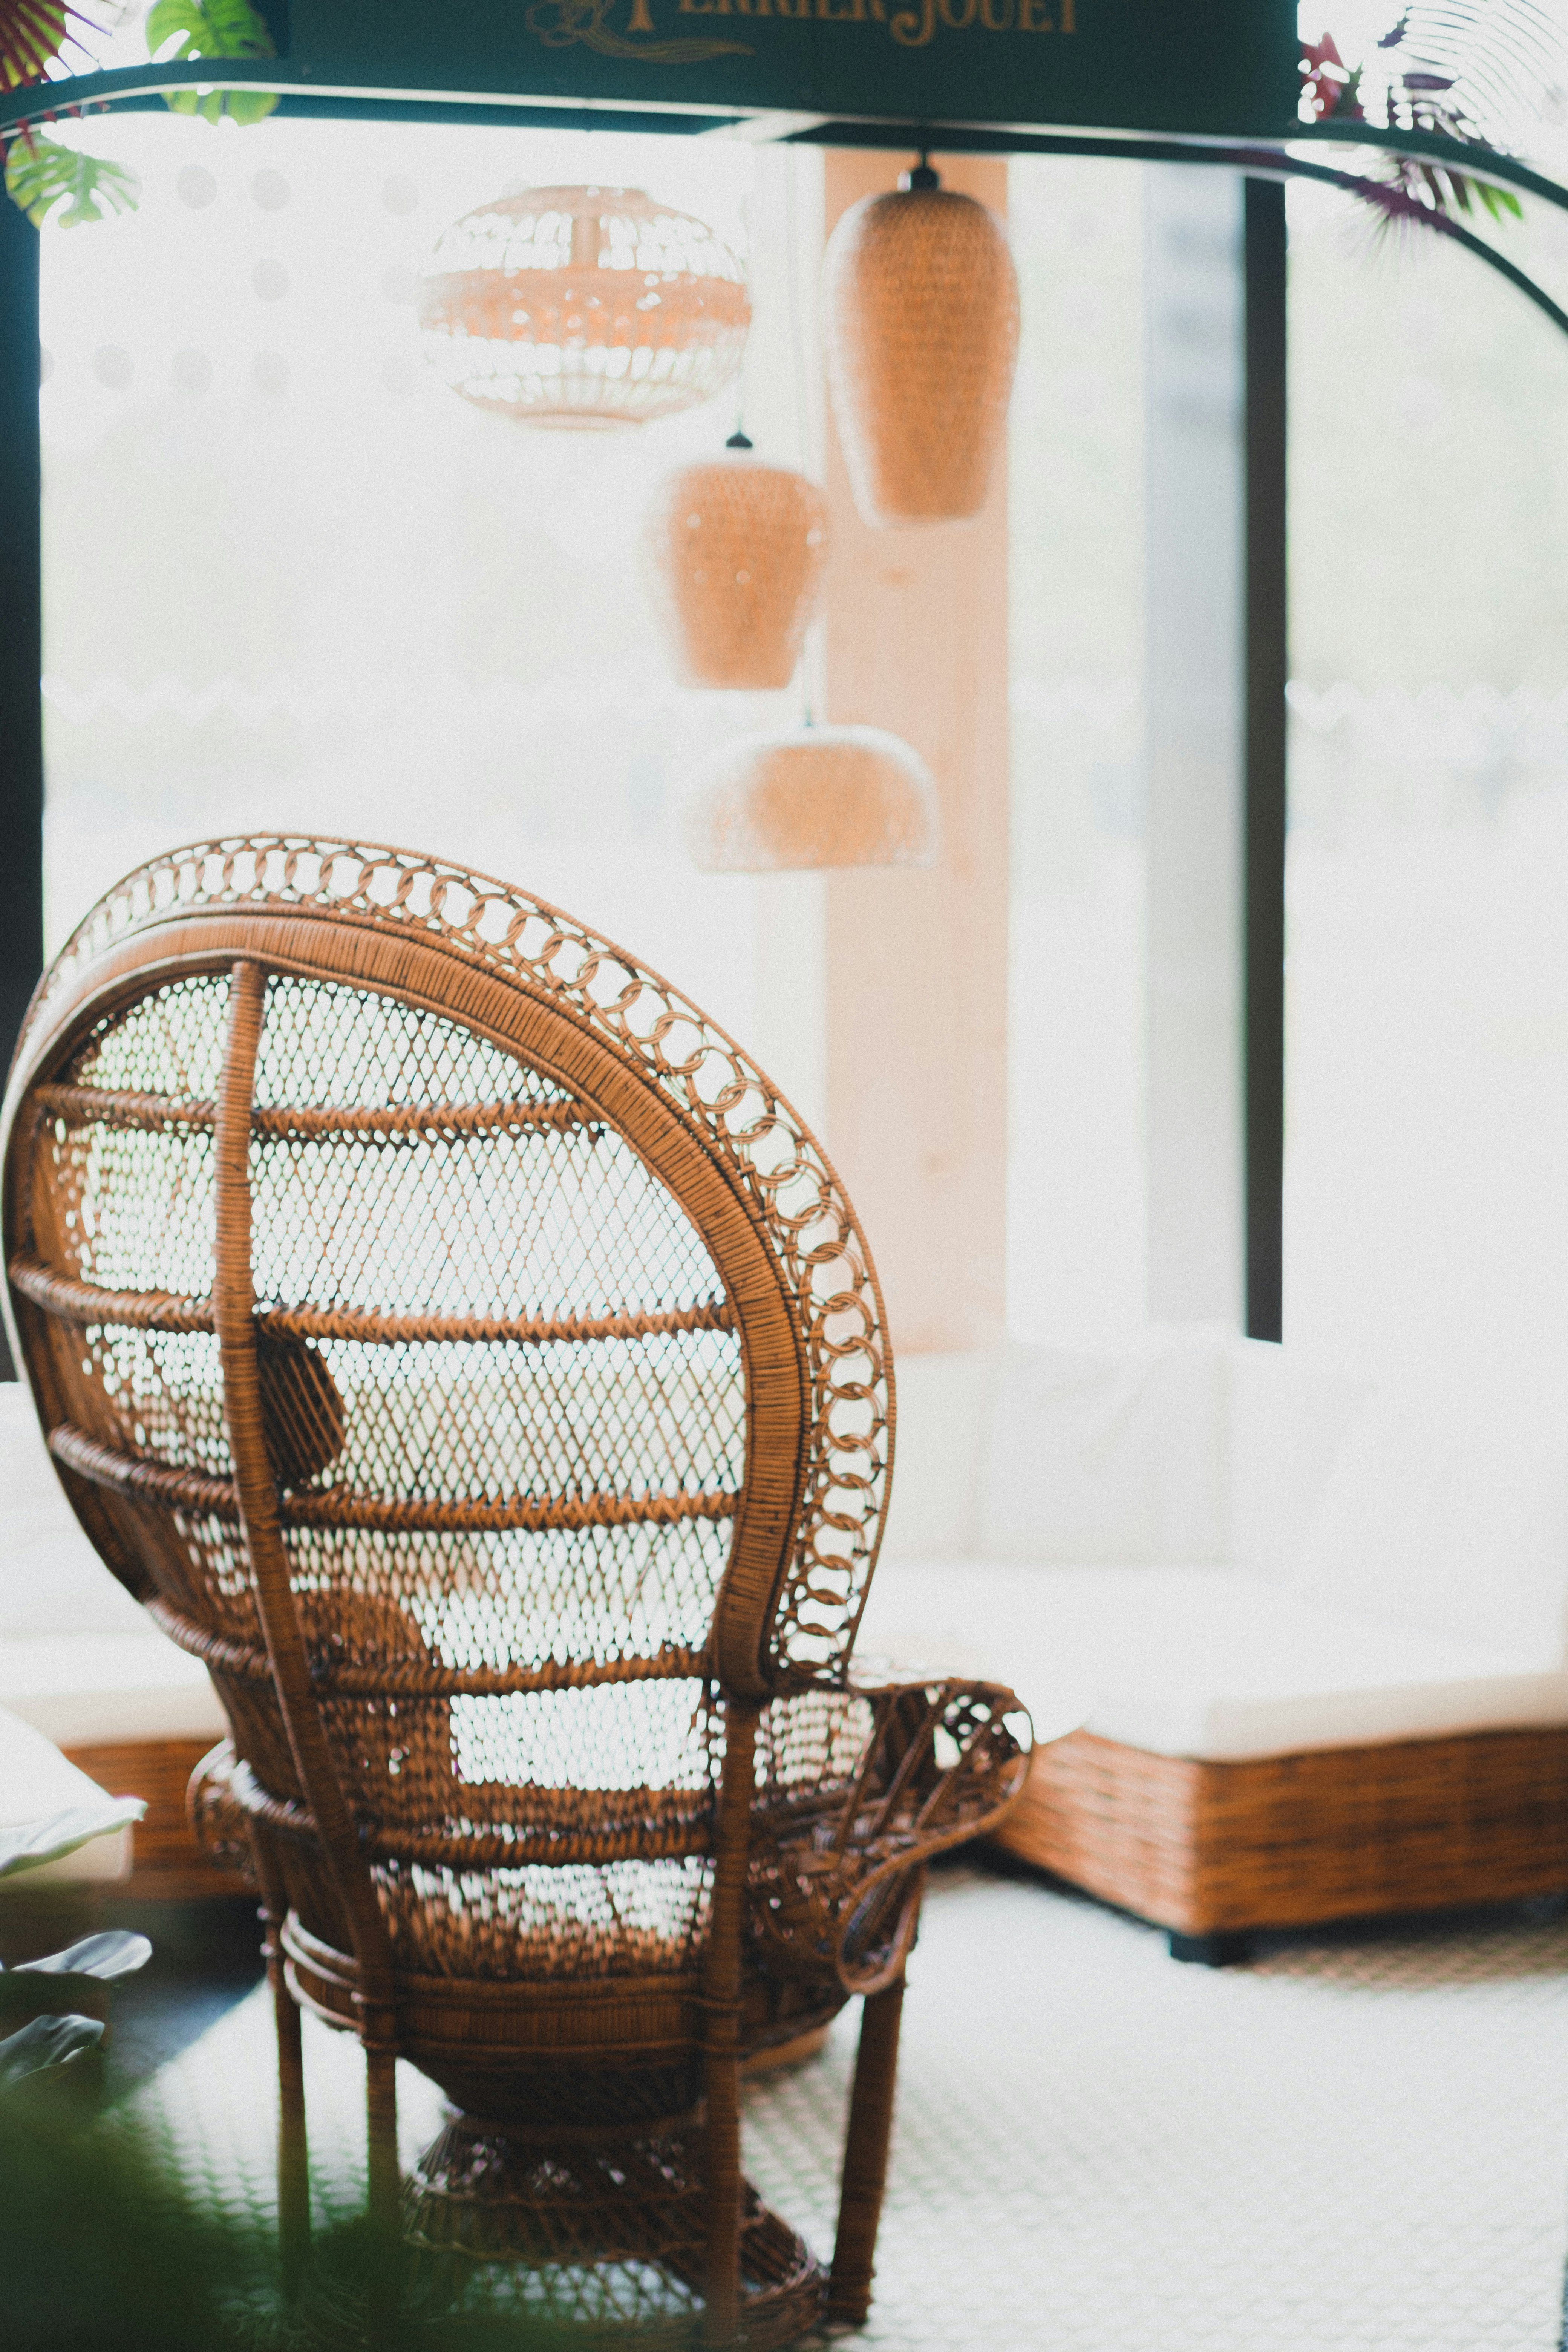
(1264, 823)
(21, 630)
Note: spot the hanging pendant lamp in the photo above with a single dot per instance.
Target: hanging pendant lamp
(734, 552)
(583, 307)
(921, 317)
(822, 796)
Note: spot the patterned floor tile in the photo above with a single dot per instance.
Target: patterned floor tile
(1346, 2145)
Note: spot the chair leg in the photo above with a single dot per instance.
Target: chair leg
(1227, 1950)
(722, 2304)
(385, 2190)
(722, 1992)
(866, 2156)
(293, 2150)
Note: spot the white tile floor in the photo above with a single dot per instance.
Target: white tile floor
(1348, 2145)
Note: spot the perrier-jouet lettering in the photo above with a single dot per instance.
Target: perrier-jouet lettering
(912, 27)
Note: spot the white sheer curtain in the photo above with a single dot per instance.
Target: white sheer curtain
(1426, 1193)
(292, 583)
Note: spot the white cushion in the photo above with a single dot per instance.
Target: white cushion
(35, 1782)
(943, 1402)
(94, 1689)
(1448, 1509)
(1201, 1661)
(51, 1580)
(1108, 1458)
(1289, 1425)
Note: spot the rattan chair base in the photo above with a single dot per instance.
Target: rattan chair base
(1293, 1841)
(605, 2235)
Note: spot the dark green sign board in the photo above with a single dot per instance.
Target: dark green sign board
(1208, 69)
(1225, 67)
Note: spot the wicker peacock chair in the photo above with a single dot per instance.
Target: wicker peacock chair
(451, 1338)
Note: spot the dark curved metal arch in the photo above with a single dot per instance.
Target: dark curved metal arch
(135, 88)
(1257, 163)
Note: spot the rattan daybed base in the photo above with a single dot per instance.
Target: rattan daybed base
(1213, 1851)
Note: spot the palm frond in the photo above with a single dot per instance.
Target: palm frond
(32, 35)
(1485, 64)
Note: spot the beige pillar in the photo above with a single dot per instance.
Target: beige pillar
(916, 1009)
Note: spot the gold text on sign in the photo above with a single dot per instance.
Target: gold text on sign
(912, 27)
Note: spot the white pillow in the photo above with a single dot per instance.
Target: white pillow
(1448, 1509)
(51, 1580)
(942, 1404)
(1289, 1423)
(1108, 1458)
(36, 1783)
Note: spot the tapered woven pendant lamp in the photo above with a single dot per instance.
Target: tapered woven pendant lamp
(822, 796)
(921, 317)
(733, 554)
(583, 307)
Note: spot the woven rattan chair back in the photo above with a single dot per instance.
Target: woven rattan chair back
(452, 1338)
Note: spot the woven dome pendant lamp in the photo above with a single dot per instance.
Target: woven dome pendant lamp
(583, 307)
(922, 319)
(822, 796)
(734, 554)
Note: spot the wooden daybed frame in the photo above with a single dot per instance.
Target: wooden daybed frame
(1212, 1852)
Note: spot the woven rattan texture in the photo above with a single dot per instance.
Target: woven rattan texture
(583, 307)
(921, 307)
(458, 1346)
(1278, 1841)
(734, 554)
(824, 796)
(704, 1075)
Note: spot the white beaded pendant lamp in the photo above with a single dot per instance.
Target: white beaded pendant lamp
(583, 307)
(734, 551)
(921, 317)
(823, 797)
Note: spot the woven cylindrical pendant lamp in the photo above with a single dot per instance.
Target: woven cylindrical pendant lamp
(922, 319)
(822, 796)
(733, 552)
(583, 307)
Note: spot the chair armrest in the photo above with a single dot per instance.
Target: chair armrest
(838, 1864)
(219, 1822)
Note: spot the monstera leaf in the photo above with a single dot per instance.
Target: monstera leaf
(41, 176)
(213, 28)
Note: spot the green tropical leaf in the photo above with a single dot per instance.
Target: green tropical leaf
(114, 1952)
(1501, 203)
(44, 2047)
(213, 28)
(41, 176)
